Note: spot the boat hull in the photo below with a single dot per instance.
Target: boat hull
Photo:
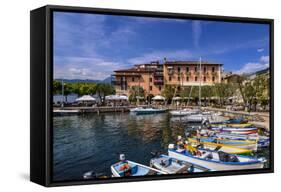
(147, 111)
(217, 166)
(250, 145)
(141, 171)
(223, 147)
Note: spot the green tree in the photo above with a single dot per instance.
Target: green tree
(206, 93)
(168, 92)
(224, 91)
(56, 87)
(135, 92)
(103, 90)
(261, 84)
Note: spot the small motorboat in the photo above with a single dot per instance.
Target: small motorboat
(126, 168)
(232, 121)
(147, 110)
(197, 118)
(174, 166)
(219, 147)
(241, 132)
(243, 125)
(235, 129)
(243, 137)
(263, 141)
(183, 112)
(217, 160)
(243, 144)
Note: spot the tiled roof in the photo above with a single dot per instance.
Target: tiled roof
(190, 63)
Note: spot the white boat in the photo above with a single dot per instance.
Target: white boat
(62, 112)
(172, 166)
(148, 110)
(126, 168)
(197, 118)
(218, 161)
(263, 141)
(244, 137)
(183, 112)
(242, 129)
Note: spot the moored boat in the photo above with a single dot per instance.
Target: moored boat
(125, 168)
(263, 141)
(172, 166)
(237, 136)
(220, 147)
(148, 110)
(243, 125)
(183, 112)
(217, 160)
(240, 132)
(235, 129)
(64, 112)
(232, 121)
(244, 144)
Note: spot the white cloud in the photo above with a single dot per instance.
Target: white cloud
(84, 68)
(260, 50)
(264, 59)
(254, 66)
(196, 32)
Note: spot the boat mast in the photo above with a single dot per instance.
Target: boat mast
(138, 91)
(149, 85)
(200, 83)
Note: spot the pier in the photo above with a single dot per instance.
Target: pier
(98, 110)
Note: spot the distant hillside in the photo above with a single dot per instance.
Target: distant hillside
(106, 80)
(256, 72)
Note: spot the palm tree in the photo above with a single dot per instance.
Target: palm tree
(136, 92)
(103, 90)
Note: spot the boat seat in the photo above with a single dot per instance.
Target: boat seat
(134, 169)
(207, 156)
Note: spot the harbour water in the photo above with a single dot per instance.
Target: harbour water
(94, 142)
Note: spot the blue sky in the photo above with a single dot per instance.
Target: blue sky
(90, 46)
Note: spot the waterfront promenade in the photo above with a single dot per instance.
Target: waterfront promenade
(259, 119)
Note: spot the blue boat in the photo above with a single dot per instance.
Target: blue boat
(126, 168)
(217, 160)
(232, 121)
(172, 166)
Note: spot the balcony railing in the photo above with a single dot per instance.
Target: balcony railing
(158, 73)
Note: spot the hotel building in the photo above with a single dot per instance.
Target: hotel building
(153, 76)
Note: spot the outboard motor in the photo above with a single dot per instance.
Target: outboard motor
(122, 157)
(90, 175)
(171, 146)
(205, 121)
(179, 137)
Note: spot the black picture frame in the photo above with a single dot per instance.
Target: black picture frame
(41, 76)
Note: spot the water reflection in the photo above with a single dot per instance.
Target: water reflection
(94, 142)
